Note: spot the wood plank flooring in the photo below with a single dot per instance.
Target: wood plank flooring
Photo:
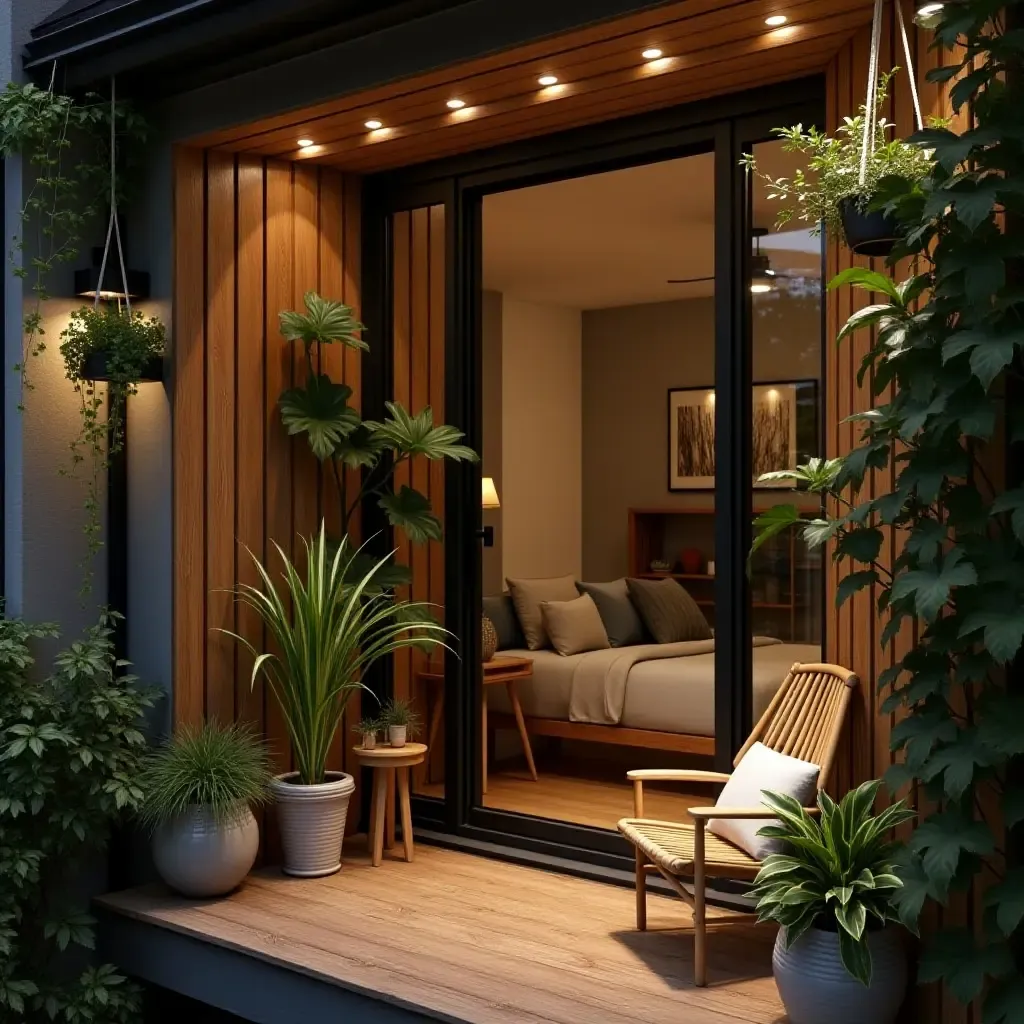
(468, 939)
(581, 799)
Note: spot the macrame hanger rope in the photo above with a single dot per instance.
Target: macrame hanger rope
(113, 228)
(867, 146)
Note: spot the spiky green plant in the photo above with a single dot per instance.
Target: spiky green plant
(400, 712)
(839, 872)
(224, 769)
(328, 628)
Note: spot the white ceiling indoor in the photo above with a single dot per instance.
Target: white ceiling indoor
(616, 238)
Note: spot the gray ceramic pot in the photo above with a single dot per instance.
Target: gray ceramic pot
(397, 735)
(815, 987)
(312, 820)
(200, 857)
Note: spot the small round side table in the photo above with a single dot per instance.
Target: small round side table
(390, 764)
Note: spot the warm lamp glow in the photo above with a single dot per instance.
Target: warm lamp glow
(651, 54)
(547, 80)
(775, 20)
(305, 143)
(490, 494)
(373, 124)
(456, 104)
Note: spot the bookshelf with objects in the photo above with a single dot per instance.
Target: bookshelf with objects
(786, 578)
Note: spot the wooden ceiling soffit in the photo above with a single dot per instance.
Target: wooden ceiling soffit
(709, 49)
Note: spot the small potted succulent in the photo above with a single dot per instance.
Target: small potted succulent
(401, 721)
(200, 788)
(367, 728)
(837, 957)
(830, 190)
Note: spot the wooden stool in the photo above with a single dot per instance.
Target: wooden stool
(390, 764)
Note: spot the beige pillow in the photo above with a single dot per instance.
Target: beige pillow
(668, 611)
(574, 626)
(529, 595)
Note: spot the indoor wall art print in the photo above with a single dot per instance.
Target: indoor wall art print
(785, 421)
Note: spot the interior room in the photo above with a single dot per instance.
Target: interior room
(598, 350)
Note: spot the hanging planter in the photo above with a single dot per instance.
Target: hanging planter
(845, 171)
(98, 366)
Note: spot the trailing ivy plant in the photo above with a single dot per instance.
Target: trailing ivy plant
(948, 341)
(339, 437)
(70, 757)
(66, 145)
(126, 341)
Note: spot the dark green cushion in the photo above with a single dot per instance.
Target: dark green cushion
(621, 621)
(668, 611)
(502, 613)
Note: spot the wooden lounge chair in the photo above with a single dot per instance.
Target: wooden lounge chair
(804, 720)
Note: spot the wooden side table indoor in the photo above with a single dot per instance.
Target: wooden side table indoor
(499, 670)
(390, 765)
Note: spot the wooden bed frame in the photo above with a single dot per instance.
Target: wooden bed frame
(649, 739)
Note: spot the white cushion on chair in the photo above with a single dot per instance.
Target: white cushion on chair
(762, 768)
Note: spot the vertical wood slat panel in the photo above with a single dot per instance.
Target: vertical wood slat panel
(189, 438)
(221, 650)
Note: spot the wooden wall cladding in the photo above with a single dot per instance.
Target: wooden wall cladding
(251, 237)
(418, 317)
(854, 630)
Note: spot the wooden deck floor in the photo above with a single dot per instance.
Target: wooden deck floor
(467, 939)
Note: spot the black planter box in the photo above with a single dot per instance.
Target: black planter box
(868, 233)
(95, 368)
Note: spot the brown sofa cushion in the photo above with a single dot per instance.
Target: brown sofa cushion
(668, 611)
(529, 595)
(574, 626)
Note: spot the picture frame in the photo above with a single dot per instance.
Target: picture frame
(785, 434)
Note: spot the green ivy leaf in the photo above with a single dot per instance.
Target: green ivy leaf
(410, 511)
(943, 838)
(1008, 899)
(1004, 1002)
(931, 587)
(952, 957)
(853, 582)
(861, 544)
(321, 411)
(770, 523)
(1004, 630)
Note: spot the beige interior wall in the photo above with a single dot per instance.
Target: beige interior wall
(491, 453)
(632, 356)
(541, 439)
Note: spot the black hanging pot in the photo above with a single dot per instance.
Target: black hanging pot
(868, 232)
(94, 368)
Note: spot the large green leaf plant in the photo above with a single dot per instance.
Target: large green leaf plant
(946, 371)
(339, 437)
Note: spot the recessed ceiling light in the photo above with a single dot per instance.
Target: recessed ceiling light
(373, 124)
(547, 80)
(456, 104)
(652, 54)
(775, 20)
(305, 143)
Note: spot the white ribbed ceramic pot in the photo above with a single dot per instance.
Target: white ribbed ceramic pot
(815, 987)
(397, 735)
(200, 857)
(312, 822)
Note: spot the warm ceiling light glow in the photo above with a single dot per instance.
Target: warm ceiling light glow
(547, 80)
(928, 10)
(760, 287)
(456, 104)
(652, 54)
(373, 124)
(305, 143)
(775, 20)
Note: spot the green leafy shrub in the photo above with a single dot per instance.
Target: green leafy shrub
(832, 173)
(327, 629)
(400, 712)
(224, 769)
(945, 369)
(838, 872)
(70, 755)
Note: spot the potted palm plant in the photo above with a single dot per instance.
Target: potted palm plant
(845, 182)
(200, 789)
(400, 720)
(327, 627)
(836, 957)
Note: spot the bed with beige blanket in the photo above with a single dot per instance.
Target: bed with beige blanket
(666, 689)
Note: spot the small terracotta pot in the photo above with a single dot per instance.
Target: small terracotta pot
(397, 735)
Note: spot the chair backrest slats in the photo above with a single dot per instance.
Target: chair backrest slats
(805, 717)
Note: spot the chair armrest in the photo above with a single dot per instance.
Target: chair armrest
(736, 812)
(675, 775)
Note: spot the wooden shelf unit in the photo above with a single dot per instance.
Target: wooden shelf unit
(786, 579)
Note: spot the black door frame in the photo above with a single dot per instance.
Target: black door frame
(726, 126)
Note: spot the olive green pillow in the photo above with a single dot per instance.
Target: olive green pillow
(668, 611)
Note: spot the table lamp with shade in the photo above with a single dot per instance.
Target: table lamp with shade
(489, 495)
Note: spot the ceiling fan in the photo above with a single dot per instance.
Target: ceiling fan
(762, 276)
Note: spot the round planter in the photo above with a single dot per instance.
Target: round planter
(198, 856)
(815, 987)
(397, 735)
(868, 233)
(312, 821)
(369, 741)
